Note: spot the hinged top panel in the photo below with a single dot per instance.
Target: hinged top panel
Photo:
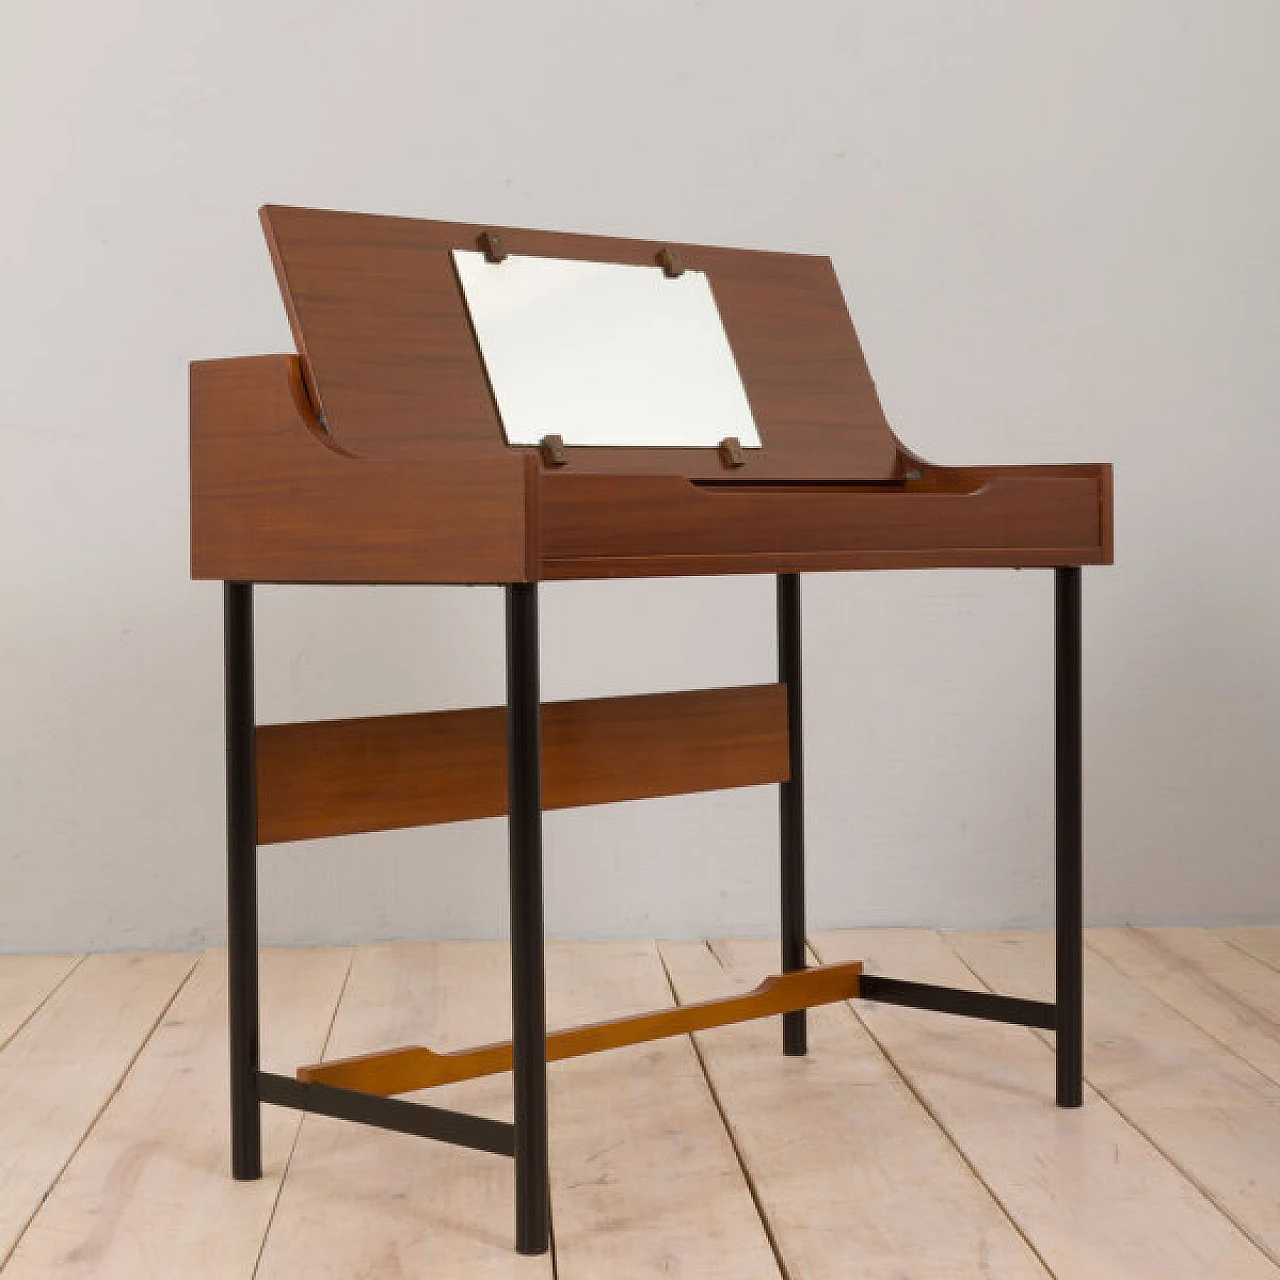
(380, 321)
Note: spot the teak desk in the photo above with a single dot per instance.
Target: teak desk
(376, 455)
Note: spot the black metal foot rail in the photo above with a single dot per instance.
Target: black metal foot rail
(966, 1004)
(417, 1118)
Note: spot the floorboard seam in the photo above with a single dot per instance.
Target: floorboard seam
(1044, 1038)
(907, 1083)
(1244, 951)
(98, 1114)
(302, 1118)
(40, 1004)
(1182, 1013)
(783, 1270)
(551, 1236)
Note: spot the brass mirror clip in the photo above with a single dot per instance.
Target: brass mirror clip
(731, 454)
(670, 263)
(553, 451)
(491, 243)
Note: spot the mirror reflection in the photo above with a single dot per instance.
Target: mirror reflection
(604, 354)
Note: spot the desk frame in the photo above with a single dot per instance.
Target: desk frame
(526, 1139)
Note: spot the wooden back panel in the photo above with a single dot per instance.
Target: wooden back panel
(382, 326)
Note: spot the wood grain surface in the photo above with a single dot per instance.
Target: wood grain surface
(1210, 1112)
(152, 1194)
(339, 777)
(380, 457)
(273, 499)
(905, 1143)
(404, 1070)
(1092, 1191)
(60, 1070)
(378, 315)
(844, 1110)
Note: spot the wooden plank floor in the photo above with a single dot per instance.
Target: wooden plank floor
(907, 1144)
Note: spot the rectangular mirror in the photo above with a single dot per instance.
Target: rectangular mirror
(600, 353)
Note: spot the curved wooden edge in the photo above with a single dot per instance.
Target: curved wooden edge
(396, 1071)
(275, 499)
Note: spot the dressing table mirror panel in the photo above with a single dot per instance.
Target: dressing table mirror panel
(604, 353)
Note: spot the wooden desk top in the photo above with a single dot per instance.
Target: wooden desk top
(377, 454)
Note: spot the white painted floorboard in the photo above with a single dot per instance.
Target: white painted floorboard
(1093, 1194)
(60, 1070)
(644, 1179)
(908, 1144)
(1226, 992)
(1211, 1113)
(852, 1174)
(26, 982)
(151, 1193)
(1260, 941)
(370, 1203)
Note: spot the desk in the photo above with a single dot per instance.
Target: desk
(377, 454)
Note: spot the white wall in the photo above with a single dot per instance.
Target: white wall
(1057, 227)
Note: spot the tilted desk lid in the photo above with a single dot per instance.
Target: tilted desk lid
(380, 319)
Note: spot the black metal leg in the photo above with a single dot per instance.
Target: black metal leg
(1069, 859)
(242, 882)
(528, 1011)
(791, 805)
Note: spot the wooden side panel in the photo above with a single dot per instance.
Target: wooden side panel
(339, 777)
(274, 500)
